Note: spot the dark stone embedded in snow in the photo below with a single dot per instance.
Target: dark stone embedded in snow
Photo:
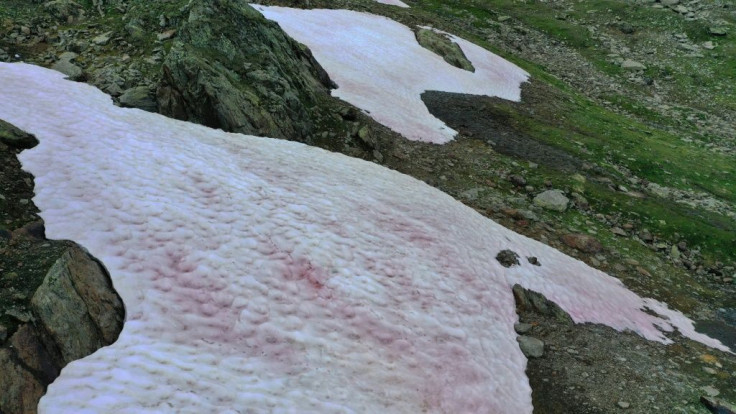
(230, 68)
(530, 300)
(533, 260)
(507, 258)
(15, 138)
(442, 45)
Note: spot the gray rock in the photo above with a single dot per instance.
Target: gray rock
(15, 138)
(230, 68)
(102, 39)
(138, 97)
(552, 200)
(77, 306)
(710, 391)
(73, 313)
(633, 65)
(63, 10)
(444, 47)
(72, 71)
(508, 258)
(718, 30)
(530, 346)
(619, 231)
(523, 328)
(623, 404)
(670, 3)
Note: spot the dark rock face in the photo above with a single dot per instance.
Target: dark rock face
(508, 258)
(74, 312)
(230, 68)
(15, 138)
(442, 45)
(57, 304)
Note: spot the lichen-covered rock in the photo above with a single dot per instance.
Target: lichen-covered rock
(74, 312)
(77, 306)
(230, 68)
(552, 200)
(138, 97)
(441, 44)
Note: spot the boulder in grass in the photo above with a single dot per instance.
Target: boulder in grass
(552, 200)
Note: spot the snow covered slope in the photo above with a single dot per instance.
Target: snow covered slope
(268, 275)
(379, 67)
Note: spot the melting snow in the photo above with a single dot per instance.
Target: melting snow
(269, 275)
(393, 3)
(379, 67)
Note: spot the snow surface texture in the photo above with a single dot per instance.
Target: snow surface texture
(379, 67)
(270, 276)
(393, 3)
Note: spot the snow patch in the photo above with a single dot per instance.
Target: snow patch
(393, 3)
(271, 275)
(379, 67)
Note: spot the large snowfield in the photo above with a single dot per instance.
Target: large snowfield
(262, 275)
(380, 67)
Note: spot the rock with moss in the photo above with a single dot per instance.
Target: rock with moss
(15, 138)
(73, 312)
(230, 68)
(441, 44)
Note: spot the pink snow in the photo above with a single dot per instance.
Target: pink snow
(393, 3)
(379, 67)
(271, 275)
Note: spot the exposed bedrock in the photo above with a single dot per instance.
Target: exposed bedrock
(57, 303)
(230, 68)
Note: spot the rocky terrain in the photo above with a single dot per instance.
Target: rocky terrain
(620, 153)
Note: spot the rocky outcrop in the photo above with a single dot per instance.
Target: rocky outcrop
(441, 44)
(230, 68)
(57, 304)
(73, 313)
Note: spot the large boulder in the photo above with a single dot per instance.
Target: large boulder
(74, 312)
(230, 68)
(552, 200)
(77, 306)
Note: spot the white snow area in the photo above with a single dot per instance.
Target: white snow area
(380, 67)
(269, 276)
(393, 3)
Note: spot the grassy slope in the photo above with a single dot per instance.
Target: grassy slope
(630, 137)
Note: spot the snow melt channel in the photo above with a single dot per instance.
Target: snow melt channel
(271, 275)
(379, 67)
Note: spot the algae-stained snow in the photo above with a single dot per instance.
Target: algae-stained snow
(270, 275)
(379, 67)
